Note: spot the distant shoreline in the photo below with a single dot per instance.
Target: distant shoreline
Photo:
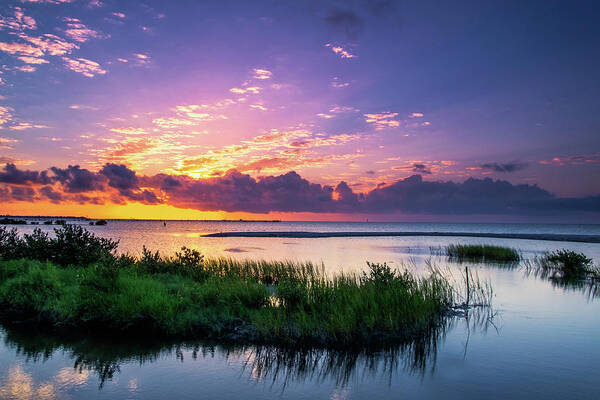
(529, 236)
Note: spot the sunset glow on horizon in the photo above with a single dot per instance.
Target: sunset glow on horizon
(299, 111)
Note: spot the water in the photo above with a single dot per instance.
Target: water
(541, 341)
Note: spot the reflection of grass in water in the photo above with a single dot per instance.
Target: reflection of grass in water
(105, 356)
(279, 365)
(567, 270)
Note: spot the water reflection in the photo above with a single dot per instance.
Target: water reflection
(104, 357)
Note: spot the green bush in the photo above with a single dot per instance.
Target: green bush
(71, 245)
(568, 263)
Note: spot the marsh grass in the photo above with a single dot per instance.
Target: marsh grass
(189, 295)
(484, 253)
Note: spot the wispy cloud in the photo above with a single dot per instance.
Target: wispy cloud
(262, 73)
(592, 158)
(83, 107)
(18, 22)
(26, 125)
(130, 131)
(33, 60)
(79, 32)
(6, 143)
(340, 51)
(504, 167)
(338, 84)
(5, 115)
(251, 89)
(22, 49)
(383, 120)
(119, 15)
(47, 1)
(84, 66)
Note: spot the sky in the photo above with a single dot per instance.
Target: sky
(301, 110)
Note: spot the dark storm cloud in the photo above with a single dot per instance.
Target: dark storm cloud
(119, 176)
(240, 192)
(507, 167)
(51, 194)
(76, 179)
(235, 191)
(126, 182)
(421, 169)
(346, 21)
(11, 174)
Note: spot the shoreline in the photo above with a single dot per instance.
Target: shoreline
(314, 235)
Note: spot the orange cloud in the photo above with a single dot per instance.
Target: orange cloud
(339, 50)
(262, 73)
(79, 32)
(84, 66)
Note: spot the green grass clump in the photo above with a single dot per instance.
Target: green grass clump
(482, 253)
(568, 265)
(383, 304)
(75, 281)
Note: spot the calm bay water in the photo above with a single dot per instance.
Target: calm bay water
(541, 342)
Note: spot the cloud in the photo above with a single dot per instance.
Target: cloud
(345, 21)
(5, 115)
(26, 125)
(50, 44)
(19, 22)
(47, 1)
(84, 66)
(6, 144)
(12, 175)
(258, 107)
(79, 32)
(262, 73)
(289, 192)
(421, 169)
(130, 131)
(21, 49)
(592, 158)
(83, 107)
(505, 168)
(119, 15)
(33, 60)
(336, 83)
(251, 89)
(141, 59)
(339, 50)
(383, 120)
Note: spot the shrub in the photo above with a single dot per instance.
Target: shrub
(11, 245)
(569, 263)
(74, 245)
(379, 274)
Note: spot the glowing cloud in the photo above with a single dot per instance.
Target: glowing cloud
(382, 120)
(339, 50)
(19, 22)
(26, 125)
(262, 73)
(79, 32)
(85, 67)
